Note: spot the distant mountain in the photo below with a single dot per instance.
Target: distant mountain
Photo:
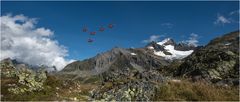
(171, 50)
(155, 55)
(116, 59)
(18, 65)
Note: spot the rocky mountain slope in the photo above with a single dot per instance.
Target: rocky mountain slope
(217, 62)
(155, 55)
(127, 71)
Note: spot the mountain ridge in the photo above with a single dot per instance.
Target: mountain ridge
(134, 74)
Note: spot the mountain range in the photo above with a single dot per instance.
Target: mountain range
(139, 73)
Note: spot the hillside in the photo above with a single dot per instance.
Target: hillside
(217, 62)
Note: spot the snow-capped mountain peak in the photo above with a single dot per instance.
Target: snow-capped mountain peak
(173, 54)
(168, 49)
(166, 41)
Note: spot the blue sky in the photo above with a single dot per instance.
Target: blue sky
(134, 22)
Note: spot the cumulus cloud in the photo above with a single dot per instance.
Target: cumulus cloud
(21, 40)
(153, 38)
(192, 40)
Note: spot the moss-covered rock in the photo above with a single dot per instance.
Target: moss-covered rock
(7, 68)
(27, 79)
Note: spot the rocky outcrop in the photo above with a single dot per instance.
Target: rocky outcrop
(155, 46)
(184, 47)
(217, 61)
(27, 80)
(129, 86)
(7, 68)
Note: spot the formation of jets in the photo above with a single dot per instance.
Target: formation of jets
(100, 29)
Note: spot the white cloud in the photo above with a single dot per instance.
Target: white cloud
(21, 40)
(44, 32)
(192, 40)
(235, 12)
(222, 20)
(232, 17)
(153, 38)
